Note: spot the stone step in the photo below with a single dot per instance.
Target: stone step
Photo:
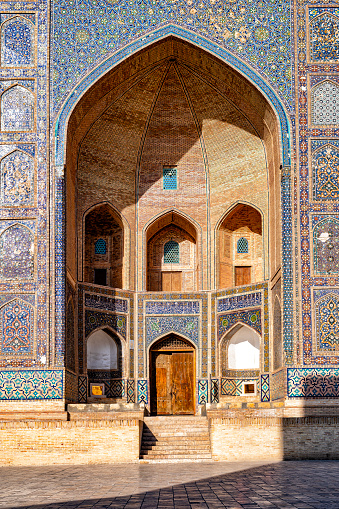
(181, 443)
(156, 452)
(173, 445)
(178, 434)
(176, 456)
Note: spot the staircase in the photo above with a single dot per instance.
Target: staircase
(175, 438)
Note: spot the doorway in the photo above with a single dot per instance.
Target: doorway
(172, 376)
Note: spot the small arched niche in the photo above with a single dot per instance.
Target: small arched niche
(242, 348)
(171, 254)
(102, 351)
(104, 247)
(240, 247)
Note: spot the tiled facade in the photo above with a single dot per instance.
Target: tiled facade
(249, 60)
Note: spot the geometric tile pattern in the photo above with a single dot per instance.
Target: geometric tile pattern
(327, 321)
(16, 328)
(130, 390)
(96, 319)
(16, 253)
(214, 390)
(202, 392)
(228, 387)
(17, 179)
(251, 318)
(313, 383)
(82, 388)
(267, 26)
(17, 43)
(31, 384)
(142, 391)
(326, 244)
(106, 303)
(325, 103)
(265, 388)
(325, 169)
(188, 326)
(17, 109)
(324, 28)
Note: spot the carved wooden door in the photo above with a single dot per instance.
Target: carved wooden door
(161, 373)
(182, 383)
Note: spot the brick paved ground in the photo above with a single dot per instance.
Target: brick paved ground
(288, 485)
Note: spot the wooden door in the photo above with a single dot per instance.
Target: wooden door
(171, 281)
(161, 381)
(172, 383)
(182, 383)
(242, 276)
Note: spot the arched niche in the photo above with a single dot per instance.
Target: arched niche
(240, 349)
(17, 109)
(240, 260)
(103, 247)
(326, 246)
(171, 254)
(325, 103)
(16, 253)
(17, 43)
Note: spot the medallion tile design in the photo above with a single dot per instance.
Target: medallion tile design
(324, 38)
(94, 320)
(325, 103)
(259, 34)
(313, 383)
(17, 328)
(143, 391)
(228, 387)
(16, 253)
(325, 169)
(186, 325)
(31, 384)
(239, 301)
(202, 392)
(251, 318)
(17, 43)
(172, 308)
(326, 244)
(265, 388)
(17, 179)
(327, 320)
(17, 109)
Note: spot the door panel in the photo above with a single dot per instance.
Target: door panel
(171, 281)
(182, 383)
(242, 276)
(161, 383)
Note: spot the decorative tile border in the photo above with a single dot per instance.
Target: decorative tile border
(143, 391)
(31, 385)
(313, 383)
(202, 392)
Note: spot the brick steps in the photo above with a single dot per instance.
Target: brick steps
(184, 438)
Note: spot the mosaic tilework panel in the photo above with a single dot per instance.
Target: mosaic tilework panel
(16, 251)
(324, 28)
(17, 328)
(17, 42)
(82, 389)
(113, 388)
(326, 303)
(31, 385)
(258, 33)
(239, 301)
(265, 388)
(251, 318)
(142, 391)
(325, 169)
(313, 383)
(214, 390)
(241, 373)
(130, 391)
(172, 308)
(17, 109)
(71, 387)
(325, 244)
(106, 303)
(228, 387)
(158, 325)
(278, 385)
(202, 392)
(325, 103)
(96, 319)
(17, 179)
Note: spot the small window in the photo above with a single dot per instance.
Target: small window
(242, 245)
(100, 247)
(171, 252)
(170, 178)
(100, 277)
(249, 388)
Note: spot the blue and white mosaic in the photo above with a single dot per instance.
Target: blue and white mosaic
(325, 103)
(106, 303)
(251, 318)
(95, 320)
(31, 384)
(239, 301)
(17, 179)
(17, 328)
(16, 253)
(17, 109)
(324, 34)
(327, 319)
(172, 307)
(325, 169)
(157, 326)
(313, 383)
(17, 42)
